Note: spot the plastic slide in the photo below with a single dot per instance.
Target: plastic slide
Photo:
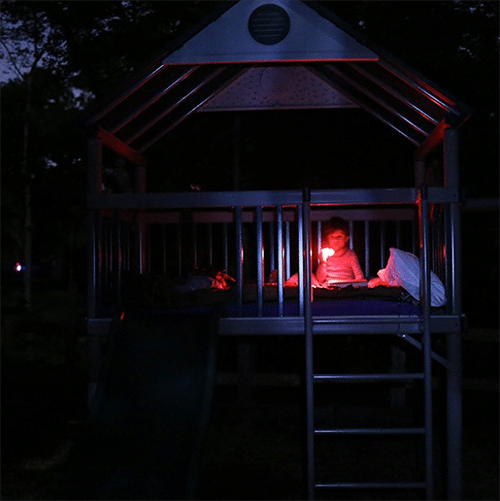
(145, 433)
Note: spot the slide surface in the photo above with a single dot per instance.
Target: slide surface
(144, 437)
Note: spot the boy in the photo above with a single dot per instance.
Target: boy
(338, 263)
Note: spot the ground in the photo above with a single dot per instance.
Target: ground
(253, 448)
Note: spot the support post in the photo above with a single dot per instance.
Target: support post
(141, 188)
(425, 302)
(454, 342)
(309, 369)
(419, 169)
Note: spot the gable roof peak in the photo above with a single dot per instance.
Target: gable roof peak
(270, 31)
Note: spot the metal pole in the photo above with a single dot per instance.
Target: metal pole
(226, 252)
(300, 233)
(117, 259)
(454, 349)
(279, 216)
(238, 216)
(309, 376)
(287, 251)
(141, 188)
(367, 248)
(425, 289)
(260, 259)
(272, 250)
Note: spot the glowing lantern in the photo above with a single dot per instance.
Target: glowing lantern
(326, 253)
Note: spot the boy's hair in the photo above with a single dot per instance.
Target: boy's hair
(334, 224)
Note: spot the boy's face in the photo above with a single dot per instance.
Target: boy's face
(337, 240)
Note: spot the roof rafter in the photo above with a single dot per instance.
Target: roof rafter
(173, 87)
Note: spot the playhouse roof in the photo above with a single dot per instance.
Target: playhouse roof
(273, 54)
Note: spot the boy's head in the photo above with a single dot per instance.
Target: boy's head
(336, 233)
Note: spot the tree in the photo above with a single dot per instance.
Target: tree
(52, 48)
(34, 53)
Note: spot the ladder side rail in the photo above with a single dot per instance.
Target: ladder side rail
(310, 476)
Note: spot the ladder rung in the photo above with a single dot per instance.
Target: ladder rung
(368, 377)
(372, 485)
(369, 431)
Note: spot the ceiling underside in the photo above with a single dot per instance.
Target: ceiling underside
(158, 101)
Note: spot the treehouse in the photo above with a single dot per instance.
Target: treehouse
(260, 249)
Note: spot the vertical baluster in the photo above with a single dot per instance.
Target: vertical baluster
(195, 243)
(367, 249)
(320, 243)
(272, 247)
(226, 253)
(382, 244)
(300, 240)
(116, 250)
(260, 258)
(164, 247)
(239, 257)
(287, 251)
(279, 214)
(210, 245)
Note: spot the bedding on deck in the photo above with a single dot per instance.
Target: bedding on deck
(162, 292)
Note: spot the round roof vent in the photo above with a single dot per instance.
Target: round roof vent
(269, 24)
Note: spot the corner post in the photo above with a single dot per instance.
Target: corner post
(141, 188)
(454, 348)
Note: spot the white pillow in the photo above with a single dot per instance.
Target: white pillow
(403, 270)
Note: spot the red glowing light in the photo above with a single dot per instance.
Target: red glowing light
(122, 316)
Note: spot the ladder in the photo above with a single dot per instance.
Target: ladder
(314, 433)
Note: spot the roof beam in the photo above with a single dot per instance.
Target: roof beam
(124, 95)
(391, 90)
(333, 80)
(196, 104)
(121, 148)
(166, 111)
(375, 97)
(421, 87)
(138, 110)
(431, 142)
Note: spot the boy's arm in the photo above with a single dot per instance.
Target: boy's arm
(321, 272)
(356, 268)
